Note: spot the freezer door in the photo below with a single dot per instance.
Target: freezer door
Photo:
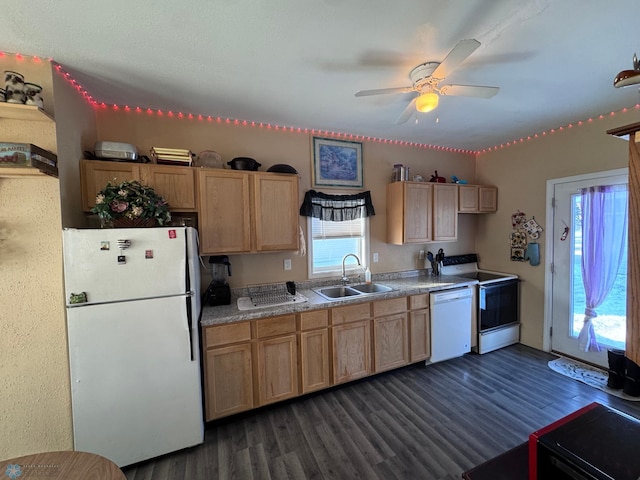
(115, 264)
(136, 392)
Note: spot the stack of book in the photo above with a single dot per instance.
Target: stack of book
(171, 156)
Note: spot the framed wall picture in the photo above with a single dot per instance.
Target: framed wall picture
(336, 163)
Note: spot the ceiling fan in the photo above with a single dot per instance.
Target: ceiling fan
(426, 79)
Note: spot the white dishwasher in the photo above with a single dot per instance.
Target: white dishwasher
(451, 315)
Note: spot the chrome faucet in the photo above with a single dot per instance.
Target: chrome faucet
(345, 279)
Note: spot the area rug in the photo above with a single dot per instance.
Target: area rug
(584, 373)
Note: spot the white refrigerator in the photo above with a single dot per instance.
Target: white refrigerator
(132, 319)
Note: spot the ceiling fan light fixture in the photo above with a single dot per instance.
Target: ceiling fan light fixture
(427, 102)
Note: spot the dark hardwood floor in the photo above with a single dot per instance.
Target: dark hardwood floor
(430, 422)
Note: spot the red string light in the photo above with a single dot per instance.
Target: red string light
(291, 129)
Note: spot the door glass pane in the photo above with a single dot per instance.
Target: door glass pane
(610, 324)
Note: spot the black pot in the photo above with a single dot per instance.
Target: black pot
(244, 163)
(282, 168)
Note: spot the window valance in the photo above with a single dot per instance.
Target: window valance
(337, 208)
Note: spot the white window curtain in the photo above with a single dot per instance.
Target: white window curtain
(604, 233)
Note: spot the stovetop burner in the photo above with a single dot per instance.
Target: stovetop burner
(467, 266)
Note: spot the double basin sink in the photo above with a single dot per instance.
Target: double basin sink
(348, 291)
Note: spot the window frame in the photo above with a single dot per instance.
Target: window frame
(350, 268)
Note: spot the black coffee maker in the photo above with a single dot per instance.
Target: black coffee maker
(218, 292)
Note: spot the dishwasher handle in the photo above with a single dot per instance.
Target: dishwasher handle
(450, 295)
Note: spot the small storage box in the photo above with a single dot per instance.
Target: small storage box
(28, 155)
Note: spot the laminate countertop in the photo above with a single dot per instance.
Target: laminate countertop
(402, 286)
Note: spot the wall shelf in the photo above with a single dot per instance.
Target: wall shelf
(16, 111)
(13, 172)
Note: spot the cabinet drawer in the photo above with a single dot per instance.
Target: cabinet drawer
(223, 334)
(417, 302)
(350, 313)
(388, 307)
(269, 327)
(314, 319)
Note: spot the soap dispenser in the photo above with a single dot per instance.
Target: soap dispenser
(367, 275)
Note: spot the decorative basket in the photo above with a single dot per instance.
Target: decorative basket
(125, 222)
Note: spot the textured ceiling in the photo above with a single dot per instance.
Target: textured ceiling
(298, 63)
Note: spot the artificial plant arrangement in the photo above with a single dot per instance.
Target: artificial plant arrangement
(131, 202)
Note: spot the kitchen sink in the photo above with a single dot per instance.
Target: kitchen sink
(371, 288)
(333, 293)
(337, 292)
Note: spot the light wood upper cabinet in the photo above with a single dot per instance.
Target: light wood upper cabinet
(176, 184)
(276, 212)
(242, 211)
(445, 212)
(488, 199)
(95, 174)
(477, 199)
(409, 212)
(224, 217)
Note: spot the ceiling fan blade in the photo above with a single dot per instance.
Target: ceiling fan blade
(406, 115)
(468, 91)
(456, 56)
(381, 91)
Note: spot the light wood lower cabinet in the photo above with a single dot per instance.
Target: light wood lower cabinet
(277, 364)
(228, 369)
(351, 351)
(419, 328)
(253, 363)
(229, 380)
(314, 354)
(390, 334)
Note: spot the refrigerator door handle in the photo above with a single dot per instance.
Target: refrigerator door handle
(190, 324)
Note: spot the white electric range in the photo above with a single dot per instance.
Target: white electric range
(498, 321)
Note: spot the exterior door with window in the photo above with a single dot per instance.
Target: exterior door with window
(570, 295)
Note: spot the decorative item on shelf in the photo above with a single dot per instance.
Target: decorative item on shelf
(33, 94)
(208, 159)
(28, 155)
(437, 179)
(14, 86)
(455, 179)
(172, 156)
(244, 163)
(3, 97)
(131, 204)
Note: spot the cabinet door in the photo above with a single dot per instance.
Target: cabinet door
(390, 340)
(420, 343)
(417, 213)
(174, 183)
(224, 213)
(228, 380)
(445, 212)
(409, 208)
(95, 174)
(351, 351)
(276, 212)
(277, 369)
(467, 198)
(488, 199)
(314, 360)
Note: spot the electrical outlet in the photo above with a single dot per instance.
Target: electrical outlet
(375, 257)
(287, 264)
(421, 255)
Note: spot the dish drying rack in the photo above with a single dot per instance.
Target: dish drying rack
(269, 295)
